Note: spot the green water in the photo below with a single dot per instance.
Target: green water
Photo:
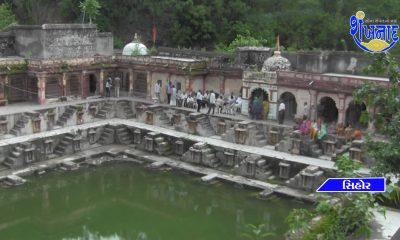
(130, 202)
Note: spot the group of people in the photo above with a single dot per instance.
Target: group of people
(116, 84)
(318, 130)
(200, 99)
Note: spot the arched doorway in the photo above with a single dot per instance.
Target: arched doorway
(353, 114)
(290, 105)
(327, 110)
(92, 84)
(257, 98)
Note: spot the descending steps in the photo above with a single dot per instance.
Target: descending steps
(103, 113)
(14, 156)
(20, 124)
(63, 119)
(123, 135)
(127, 109)
(205, 124)
(107, 136)
(64, 144)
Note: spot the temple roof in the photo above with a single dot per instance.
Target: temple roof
(276, 63)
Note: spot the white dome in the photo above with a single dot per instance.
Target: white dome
(276, 63)
(135, 48)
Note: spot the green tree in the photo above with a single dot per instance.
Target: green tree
(91, 8)
(383, 103)
(7, 17)
(349, 216)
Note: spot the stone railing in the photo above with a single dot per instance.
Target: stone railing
(154, 60)
(259, 76)
(70, 62)
(321, 80)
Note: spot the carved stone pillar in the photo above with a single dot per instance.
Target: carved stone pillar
(131, 81)
(341, 108)
(284, 170)
(41, 84)
(64, 85)
(3, 126)
(101, 82)
(149, 82)
(179, 147)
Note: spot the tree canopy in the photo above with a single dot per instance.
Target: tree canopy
(6, 16)
(301, 24)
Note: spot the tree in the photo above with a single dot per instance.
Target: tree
(7, 17)
(349, 216)
(384, 105)
(91, 8)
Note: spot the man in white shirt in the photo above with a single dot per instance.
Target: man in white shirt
(238, 104)
(157, 90)
(211, 103)
(199, 99)
(281, 112)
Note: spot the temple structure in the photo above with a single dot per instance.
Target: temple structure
(56, 62)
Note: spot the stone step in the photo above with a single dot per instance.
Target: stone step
(102, 116)
(14, 132)
(262, 142)
(15, 154)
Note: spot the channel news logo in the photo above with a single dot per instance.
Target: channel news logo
(381, 37)
(371, 185)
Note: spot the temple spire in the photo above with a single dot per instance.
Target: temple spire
(278, 47)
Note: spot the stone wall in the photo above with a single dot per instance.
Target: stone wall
(6, 44)
(104, 44)
(52, 41)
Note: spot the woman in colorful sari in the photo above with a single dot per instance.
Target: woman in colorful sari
(265, 109)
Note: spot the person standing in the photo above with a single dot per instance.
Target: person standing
(117, 85)
(108, 87)
(281, 112)
(199, 99)
(306, 111)
(211, 103)
(173, 96)
(157, 90)
(169, 89)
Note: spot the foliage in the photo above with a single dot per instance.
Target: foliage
(14, 68)
(256, 232)
(153, 50)
(91, 8)
(241, 41)
(349, 216)
(118, 43)
(65, 66)
(7, 17)
(385, 115)
(301, 24)
(390, 198)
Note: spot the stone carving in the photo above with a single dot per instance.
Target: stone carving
(276, 63)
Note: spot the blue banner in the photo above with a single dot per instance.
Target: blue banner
(371, 184)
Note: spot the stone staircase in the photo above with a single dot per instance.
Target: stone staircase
(260, 139)
(20, 124)
(65, 143)
(126, 108)
(163, 146)
(107, 136)
(15, 155)
(205, 125)
(63, 119)
(163, 119)
(122, 135)
(103, 112)
(201, 153)
(308, 179)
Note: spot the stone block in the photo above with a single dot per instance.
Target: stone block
(284, 170)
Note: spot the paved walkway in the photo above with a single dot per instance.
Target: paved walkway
(270, 153)
(30, 107)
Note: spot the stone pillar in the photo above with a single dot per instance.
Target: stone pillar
(92, 136)
(137, 136)
(149, 82)
(284, 170)
(341, 108)
(3, 126)
(313, 105)
(101, 82)
(64, 85)
(131, 81)
(84, 84)
(41, 84)
(204, 83)
(189, 83)
(179, 147)
(48, 147)
(76, 144)
(222, 85)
